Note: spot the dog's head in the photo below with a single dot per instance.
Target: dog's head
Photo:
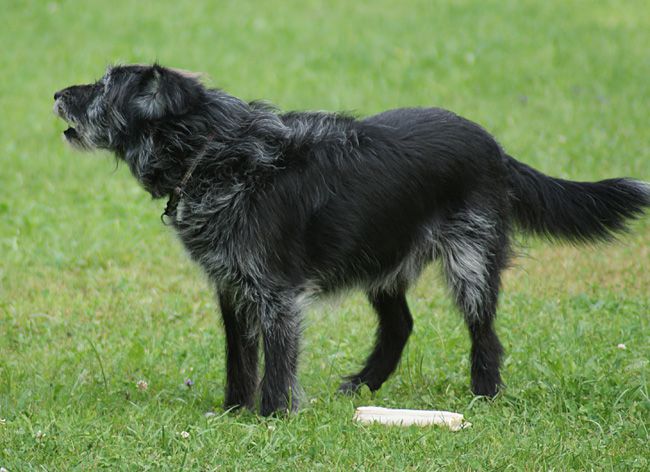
(123, 102)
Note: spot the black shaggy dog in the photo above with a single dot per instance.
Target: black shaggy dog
(281, 207)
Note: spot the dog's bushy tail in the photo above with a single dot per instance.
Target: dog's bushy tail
(574, 211)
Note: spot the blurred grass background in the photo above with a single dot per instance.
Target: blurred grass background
(95, 294)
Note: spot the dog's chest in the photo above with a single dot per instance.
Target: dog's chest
(215, 238)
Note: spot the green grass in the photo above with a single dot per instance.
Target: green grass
(95, 294)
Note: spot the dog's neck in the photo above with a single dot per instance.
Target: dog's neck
(159, 163)
(167, 155)
(177, 193)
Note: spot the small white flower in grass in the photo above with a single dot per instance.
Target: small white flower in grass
(185, 434)
(39, 435)
(3, 421)
(142, 385)
(622, 346)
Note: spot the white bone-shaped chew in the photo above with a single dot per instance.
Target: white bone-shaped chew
(375, 414)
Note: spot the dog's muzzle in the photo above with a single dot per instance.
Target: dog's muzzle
(59, 110)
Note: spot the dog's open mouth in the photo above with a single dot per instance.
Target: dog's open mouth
(72, 137)
(71, 134)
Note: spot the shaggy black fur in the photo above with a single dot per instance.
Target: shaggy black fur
(281, 207)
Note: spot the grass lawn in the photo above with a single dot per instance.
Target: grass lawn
(96, 294)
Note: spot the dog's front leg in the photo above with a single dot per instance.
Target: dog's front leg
(242, 346)
(280, 326)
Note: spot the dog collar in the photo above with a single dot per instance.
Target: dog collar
(177, 193)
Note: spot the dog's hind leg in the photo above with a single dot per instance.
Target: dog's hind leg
(474, 251)
(242, 347)
(395, 326)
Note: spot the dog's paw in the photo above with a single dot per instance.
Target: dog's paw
(350, 387)
(278, 409)
(280, 404)
(486, 387)
(235, 406)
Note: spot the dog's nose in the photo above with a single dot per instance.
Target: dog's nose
(59, 94)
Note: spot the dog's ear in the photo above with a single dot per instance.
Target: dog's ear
(166, 92)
